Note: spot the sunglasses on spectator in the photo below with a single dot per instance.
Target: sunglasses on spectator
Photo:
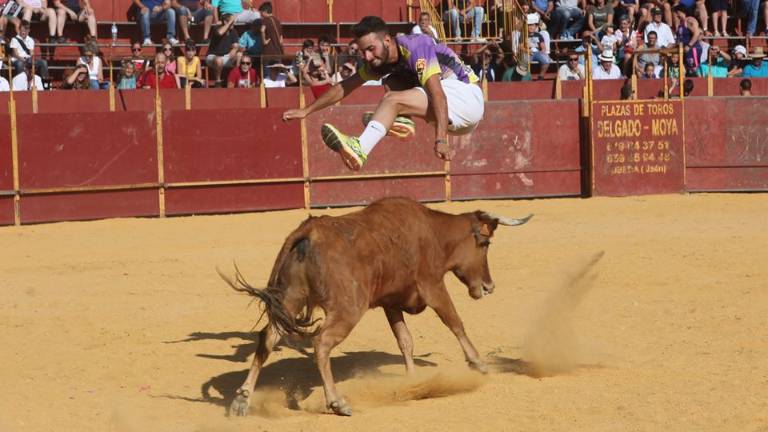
(135, 49)
(167, 48)
(573, 59)
(245, 63)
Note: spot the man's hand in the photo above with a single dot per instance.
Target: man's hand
(157, 9)
(294, 114)
(442, 150)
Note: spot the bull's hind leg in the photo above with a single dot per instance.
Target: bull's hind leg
(267, 340)
(334, 331)
(404, 340)
(439, 300)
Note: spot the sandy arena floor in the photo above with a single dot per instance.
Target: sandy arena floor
(124, 325)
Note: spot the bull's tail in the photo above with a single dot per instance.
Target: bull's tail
(273, 300)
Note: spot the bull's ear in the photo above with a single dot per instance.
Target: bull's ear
(487, 228)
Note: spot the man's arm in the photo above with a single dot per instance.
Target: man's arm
(439, 104)
(333, 95)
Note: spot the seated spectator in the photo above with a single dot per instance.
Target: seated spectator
(250, 42)
(151, 77)
(571, 70)
(248, 15)
(222, 53)
(628, 42)
(77, 11)
(189, 67)
(303, 55)
(279, 75)
(139, 62)
(757, 68)
(325, 50)
(487, 65)
(717, 63)
(26, 79)
(347, 70)
(745, 87)
(243, 76)
(39, 8)
(598, 16)
(352, 54)
(76, 79)
(543, 8)
(225, 11)
(155, 12)
(316, 76)
(664, 35)
(568, 19)
(425, 26)
(538, 45)
(128, 74)
(627, 9)
(647, 53)
(607, 68)
(22, 50)
(194, 12)
(170, 55)
(93, 65)
(610, 39)
(470, 12)
(588, 38)
(649, 71)
(739, 58)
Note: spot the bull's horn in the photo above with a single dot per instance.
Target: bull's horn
(509, 221)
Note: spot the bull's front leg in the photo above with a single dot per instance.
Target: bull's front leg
(267, 340)
(439, 300)
(403, 336)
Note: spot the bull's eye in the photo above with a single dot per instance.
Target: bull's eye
(485, 243)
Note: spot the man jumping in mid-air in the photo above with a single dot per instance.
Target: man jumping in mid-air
(424, 78)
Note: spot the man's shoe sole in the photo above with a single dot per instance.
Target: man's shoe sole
(350, 159)
(402, 127)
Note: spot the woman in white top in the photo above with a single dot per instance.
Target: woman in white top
(93, 62)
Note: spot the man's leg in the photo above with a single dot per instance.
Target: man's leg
(144, 21)
(353, 150)
(578, 21)
(184, 21)
(170, 20)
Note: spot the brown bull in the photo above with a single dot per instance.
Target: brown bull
(392, 254)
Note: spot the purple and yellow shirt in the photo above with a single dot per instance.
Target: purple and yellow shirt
(420, 57)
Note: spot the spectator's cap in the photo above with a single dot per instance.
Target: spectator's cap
(274, 64)
(606, 55)
(740, 49)
(656, 11)
(532, 18)
(757, 54)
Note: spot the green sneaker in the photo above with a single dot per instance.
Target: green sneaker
(403, 126)
(347, 146)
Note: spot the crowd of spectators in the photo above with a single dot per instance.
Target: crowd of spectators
(626, 37)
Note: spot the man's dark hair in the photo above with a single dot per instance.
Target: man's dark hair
(266, 7)
(745, 84)
(423, 13)
(653, 33)
(369, 24)
(308, 43)
(324, 38)
(25, 24)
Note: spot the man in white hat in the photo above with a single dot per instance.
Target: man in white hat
(738, 58)
(758, 68)
(537, 43)
(607, 68)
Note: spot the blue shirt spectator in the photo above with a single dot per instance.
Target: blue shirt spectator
(757, 69)
(251, 41)
(232, 7)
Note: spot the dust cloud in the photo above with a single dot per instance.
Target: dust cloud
(552, 346)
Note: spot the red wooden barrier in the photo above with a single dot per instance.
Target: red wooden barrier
(6, 172)
(520, 149)
(726, 144)
(81, 151)
(226, 146)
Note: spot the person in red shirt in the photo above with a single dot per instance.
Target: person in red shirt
(151, 77)
(243, 76)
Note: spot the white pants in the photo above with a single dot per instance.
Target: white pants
(465, 105)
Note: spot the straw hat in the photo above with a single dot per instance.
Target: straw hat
(758, 54)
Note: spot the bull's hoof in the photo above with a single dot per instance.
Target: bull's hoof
(239, 407)
(478, 366)
(340, 407)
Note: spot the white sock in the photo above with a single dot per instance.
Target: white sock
(371, 136)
